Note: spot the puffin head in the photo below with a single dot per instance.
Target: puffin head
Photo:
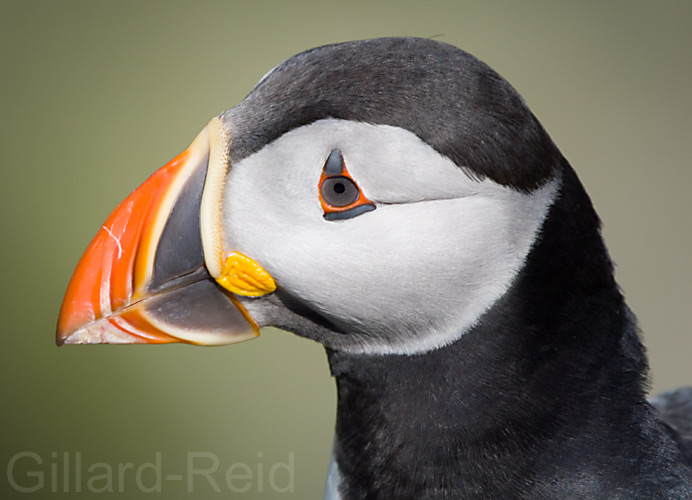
(376, 196)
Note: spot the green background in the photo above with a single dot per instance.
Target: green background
(96, 95)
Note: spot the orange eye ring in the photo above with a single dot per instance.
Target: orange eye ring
(340, 196)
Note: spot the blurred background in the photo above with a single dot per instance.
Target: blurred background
(96, 95)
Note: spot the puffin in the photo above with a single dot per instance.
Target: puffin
(396, 200)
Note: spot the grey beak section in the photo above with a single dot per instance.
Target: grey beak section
(179, 251)
(200, 312)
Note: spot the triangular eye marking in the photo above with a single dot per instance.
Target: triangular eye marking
(340, 196)
(335, 163)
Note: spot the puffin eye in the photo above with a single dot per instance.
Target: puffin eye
(340, 196)
(339, 191)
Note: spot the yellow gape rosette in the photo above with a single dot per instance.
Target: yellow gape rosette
(243, 276)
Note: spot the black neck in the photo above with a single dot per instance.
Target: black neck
(556, 361)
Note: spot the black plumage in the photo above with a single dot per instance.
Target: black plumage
(447, 97)
(545, 397)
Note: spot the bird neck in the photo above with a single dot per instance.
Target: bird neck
(555, 360)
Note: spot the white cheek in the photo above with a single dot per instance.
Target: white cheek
(411, 267)
(432, 266)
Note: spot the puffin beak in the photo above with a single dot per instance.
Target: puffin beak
(155, 272)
